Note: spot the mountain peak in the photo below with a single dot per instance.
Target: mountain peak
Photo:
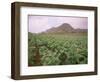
(64, 28)
(65, 24)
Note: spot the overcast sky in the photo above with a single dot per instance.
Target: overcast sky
(37, 24)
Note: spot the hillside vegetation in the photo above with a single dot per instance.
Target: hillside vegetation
(58, 47)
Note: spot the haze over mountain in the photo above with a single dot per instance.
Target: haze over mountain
(64, 28)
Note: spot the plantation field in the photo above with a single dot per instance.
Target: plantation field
(57, 49)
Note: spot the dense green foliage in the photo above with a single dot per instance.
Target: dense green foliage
(57, 49)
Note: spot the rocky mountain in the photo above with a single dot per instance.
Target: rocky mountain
(64, 28)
